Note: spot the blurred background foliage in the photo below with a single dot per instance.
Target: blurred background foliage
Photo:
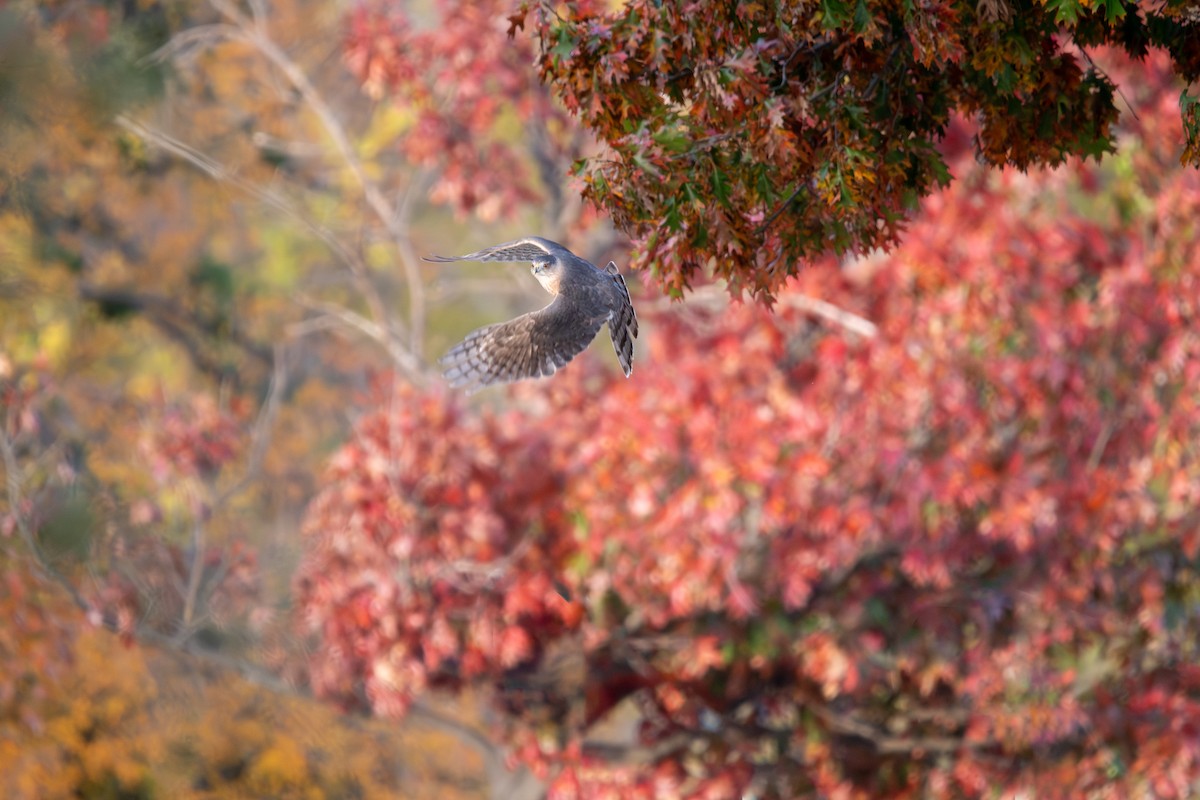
(212, 311)
(194, 297)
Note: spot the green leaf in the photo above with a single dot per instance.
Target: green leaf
(564, 49)
(645, 166)
(1006, 79)
(941, 172)
(1189, 109)
(599, 183)
(844, 194)
(1066, 12)
(766, 190)
(834, 14)
(673, 221)
(68, 525)
(720, 187)
(757, 641)
(673, 139)
(862, 17)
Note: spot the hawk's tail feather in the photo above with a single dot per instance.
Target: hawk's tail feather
(623, 327)
(623, 344)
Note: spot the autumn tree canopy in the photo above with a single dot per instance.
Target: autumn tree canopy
(748, 138)
(925, 528)
(948, 552)
(189, 299)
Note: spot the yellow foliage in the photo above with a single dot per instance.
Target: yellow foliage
(388, 122)
(146, 724)
(104, 295)
(281, 768)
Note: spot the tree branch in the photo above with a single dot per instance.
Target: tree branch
(15, 484)
(420, 712)
(255, 34)
(716, 297)
(351, 319)
(162, 311)
(405, 357)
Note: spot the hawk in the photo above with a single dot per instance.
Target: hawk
(537, 344)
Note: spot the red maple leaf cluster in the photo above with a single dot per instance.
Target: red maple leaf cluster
(470, 92)
(192, 440)
(959, 553)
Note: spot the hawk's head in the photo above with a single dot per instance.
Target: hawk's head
(548, 272)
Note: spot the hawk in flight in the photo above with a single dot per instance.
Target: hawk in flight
(536, 344)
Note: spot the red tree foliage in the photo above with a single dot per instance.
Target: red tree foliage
(468, 90)
(749, 138)
(956, 556)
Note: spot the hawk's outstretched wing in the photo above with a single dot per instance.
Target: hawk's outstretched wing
(533, 345)
(528, 249)
(623, 326)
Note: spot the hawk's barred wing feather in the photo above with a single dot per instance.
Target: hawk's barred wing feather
(533, 345)
(538, 344)
(530, 248)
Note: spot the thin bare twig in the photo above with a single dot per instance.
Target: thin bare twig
(828, 311)
(256, 35)
(219, 172)
(370, 329)
(419, 712)
(260, 434)
(1098, 70)
(16, 497)
(716, 297)
(403, 355)
(259, 439)
(192, 590)
(774, 215)
(1098, 446)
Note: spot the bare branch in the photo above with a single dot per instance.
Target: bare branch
(260, 436)
(259, 439)
(214, 169)
(419, 712)
(183, 44)
(165, 313)
(256, 35)
(15, 483)
(468, 573)
(192, 591)
(351, 319)
(828, 311)
(1098, 446)
(716, 297)
(261, 432)
(404, 356)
